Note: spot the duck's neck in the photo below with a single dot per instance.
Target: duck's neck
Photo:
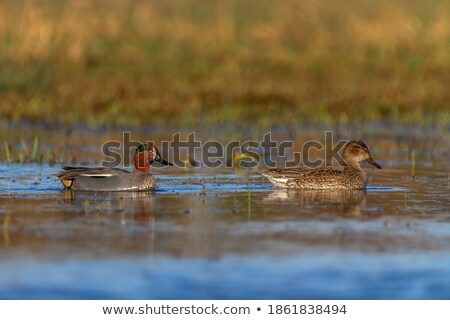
(352, 164)
(141, 162)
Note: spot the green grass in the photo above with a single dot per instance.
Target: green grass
(225, 61)
(21, 153)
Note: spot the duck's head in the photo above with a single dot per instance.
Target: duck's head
(145, 155)
(357, 151)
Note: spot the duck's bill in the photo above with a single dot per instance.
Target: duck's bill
(165, 162)
(373, 162)
(159, 159)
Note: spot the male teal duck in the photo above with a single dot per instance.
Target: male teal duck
(350, 177)
(115, 179)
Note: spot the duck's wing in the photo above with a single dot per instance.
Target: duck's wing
(297, 173)
(287, 175)
(71, 173)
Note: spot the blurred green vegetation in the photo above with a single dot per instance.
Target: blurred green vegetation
(197, 62)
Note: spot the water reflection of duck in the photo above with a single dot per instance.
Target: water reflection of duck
(109, 216)
(349, 201)
(115, 179)
(140, 204)
(350, 177)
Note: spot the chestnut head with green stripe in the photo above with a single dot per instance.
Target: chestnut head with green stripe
(145, 155)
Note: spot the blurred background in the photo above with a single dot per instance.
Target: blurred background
(195, 62)
(75, 74)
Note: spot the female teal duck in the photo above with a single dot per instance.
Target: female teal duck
(350, 177)
(115, 179)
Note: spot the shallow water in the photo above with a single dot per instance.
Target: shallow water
(227, 234)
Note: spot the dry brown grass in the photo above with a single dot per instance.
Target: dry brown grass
(193, 62)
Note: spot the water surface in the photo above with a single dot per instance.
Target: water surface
(231, 235)
(228, 234)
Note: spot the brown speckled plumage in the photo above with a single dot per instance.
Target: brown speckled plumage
(349, 177)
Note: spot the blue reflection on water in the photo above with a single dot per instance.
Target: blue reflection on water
(331, 276)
